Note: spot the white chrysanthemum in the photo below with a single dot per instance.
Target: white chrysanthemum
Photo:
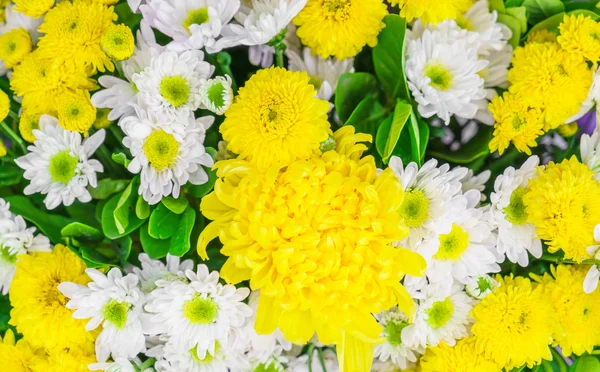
(216, 94)
(121, 365)
(171, 83)
(115, 302)
(590, 283)
(442, 316)
(429, 193)
(491, 34)
(442, 74)
(301, 364)
(263, 55)
(389, 366)
(199, 314)
(494, 76)
(192, 24)
(394, 348)
(516, 236)
(153, 270)
(167, 153)
(323, 72)
(59, 165)
(475, 182)
(481, 287)
(590, 152)
(260, 22)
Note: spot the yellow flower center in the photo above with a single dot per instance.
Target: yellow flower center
(393, 332)
(415, 208)
(337, 9)
(175, 90)
(118, 42)
(440, 313)
(63, 167)
(200, 310)
(161, 149)
(440, 75)
(515, 210)
(51, 295)
(6, 256)
(277, 119)
(196, 17)
(453, 244)
(115, 312)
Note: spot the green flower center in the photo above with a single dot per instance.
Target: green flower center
(116, 313)
(200, 310)
(440, 313)
(315, 81)
(415, 208)
(484, 284)
(63, 167)
(453, 244)
(161, 149)
(515, 211)
(7, 257)
(517, 122)
(208, 358)
(328, 145)
(440, 75)
(215, 94)
(175, 90)
(271, 367)
(393, 332)
(196, 17)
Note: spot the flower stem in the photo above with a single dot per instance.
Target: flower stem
(224, 61)
(147, 363)
(17, 139)
(561, 260)
(279, 49)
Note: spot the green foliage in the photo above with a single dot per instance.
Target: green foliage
(163, 222)
(49, 224)
(352, 89)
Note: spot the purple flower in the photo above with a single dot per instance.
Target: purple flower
(587, 122)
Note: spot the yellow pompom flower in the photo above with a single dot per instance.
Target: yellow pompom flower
(29, 120)
(76, 112)
(563, 203)
(578, 313)
(14, 46)
(17, 356)
(118, 42)
(73, 32)
(39, 311)
(340, 28)
(541, 36)
(462, 357)
(432, 11)
(547, 77)
(580, 35)
(276, 118)
(33, 8)
(72, 359)
(4, 105)
(102, 118)
(314, 237)
(514, 324)
(516, 122)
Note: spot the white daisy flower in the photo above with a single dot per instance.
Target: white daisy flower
(492, 35)
(134, 5)
(442, 72)
(323, 72)
(301, 364)
(516, 237)
(388, 366)
(59, 165)
(590, 152)
(200, 314)
(121, 365)
(216, 94)
(481, 287)
(590, 283)
(442, 316)
(393, 348)
(475, 182)
(153, 270)
(171, 83)
(166, 152)
(115, 302)
(192, 24)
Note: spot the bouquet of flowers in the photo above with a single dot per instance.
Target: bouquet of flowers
(299, 185)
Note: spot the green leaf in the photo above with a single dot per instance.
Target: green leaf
(585, 363)
(388, 57)
(180, 241)
(95, 256)
(156, 248)
(176, 206)
(142, 209)
(418, 134)
(121, 158)
(515, 27)
(163, 223)
(519, 13)
(82, 232)
(109, 227)
(512, 3)
(473, 150)
(200, 191)
(550, 23)
(497, 5)
(107, 187)
(124, 248)
(351, 89)
(558, 362)
(127, 17)
(539, 10)
(84, 213)
(49, 224)
(367, 116)
(126, 205)
(389, 131)
(10, 175)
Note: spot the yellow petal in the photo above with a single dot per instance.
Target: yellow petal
(234, 274)
(211, 231)
(410, 262)
(297, 326)
(354, 355)
(405, 301)
(267, 315)
(9, 338)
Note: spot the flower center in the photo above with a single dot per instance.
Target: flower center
(315, 81)
(208, 358)
(393, 332)
(116, 313)
(484, 284)
(415, 208)
(337, 9)
(200, 310)
(440, 313)
(63, 167)
(51, 295)
(175, 90)
(275, 119)
(215, 94)
(196, 17)
(515, 210)
(271, 367)
(118, 42)
(453, 244)
(161, 149)
(517, 122)
(6, 256)
(440, 75)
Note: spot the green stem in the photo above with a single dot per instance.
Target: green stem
(147, 363)
(279, 49)
(116, 131)
(322, 360)
(227, 71)
(311, 347)
(106, 159)
(560, 260)
(17, 139)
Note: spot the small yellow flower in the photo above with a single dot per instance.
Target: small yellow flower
(541, 36)
(568, 130)
(461, 357)
(432, 11)
(102, 118)
(118, 42)
(516, 122)
(580, 34)
(76, 113)
(340, 28)
(33, 8)
(18, 356)
(14, 46)
(29, 120)
(4, 105)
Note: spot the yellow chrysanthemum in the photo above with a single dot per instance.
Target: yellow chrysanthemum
(76, 112)
(33, 8)
(514, 324)
(580, 35)
(568, 130)
(102, 118)
(578, 313)
(4, 105)
(276, 118)
(41, 82)
(462, 357)
(516, 122)
(39, 311)
(18, 356)
(340, 28)
(72, 359)
(541, 36)
(314, 237)
(29, 120)
(547, 77)
(73, 32)
(563, 203)
(14, 46)
(118, 42)
(432, 11)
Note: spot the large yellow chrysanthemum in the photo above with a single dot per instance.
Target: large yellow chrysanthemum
(580, 35)
(314, 237)
(33, 8)
(514, 324)
(73, 359)
(18, 356)
(14, 46)
(73, 31)
(340, 28)
(563, 203)
(548, 77)
(276, 118)
(39, 311)
(432, 11)
(578, 313)
(462, 357)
